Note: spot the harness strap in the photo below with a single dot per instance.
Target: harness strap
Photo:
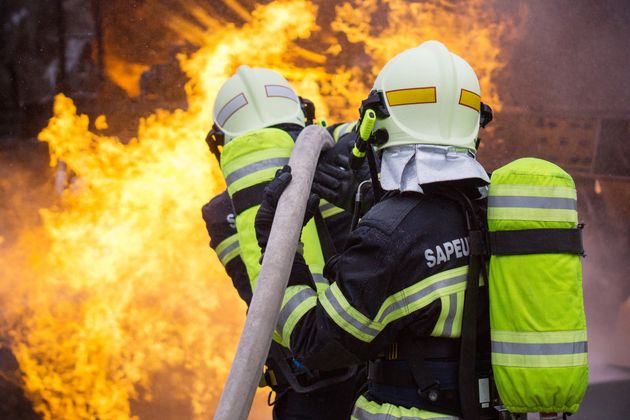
(536, 241)
(325, 239)
(248, 197)
(395, 381)
(376, 184)
(467, 378)
(307, 380)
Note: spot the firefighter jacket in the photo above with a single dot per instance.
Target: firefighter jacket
(248, 163)
(400, 279)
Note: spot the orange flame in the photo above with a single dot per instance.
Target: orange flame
(118, 284)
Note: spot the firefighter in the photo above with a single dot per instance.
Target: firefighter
(257, 117)
(397, 292)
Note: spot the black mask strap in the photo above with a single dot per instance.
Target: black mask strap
(486, 115)
(308, 108)
(215, 140)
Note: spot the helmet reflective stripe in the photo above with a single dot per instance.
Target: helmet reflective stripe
(277, 91)
(255, 98)
(236, 103)
(470, 99)
(415, 96)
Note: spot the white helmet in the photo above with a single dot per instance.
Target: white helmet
(432, 97)
(255, 98)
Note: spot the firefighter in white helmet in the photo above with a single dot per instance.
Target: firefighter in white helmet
(397, 293)
(257, 117)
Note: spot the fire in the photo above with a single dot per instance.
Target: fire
(117, 285)
(125, 75)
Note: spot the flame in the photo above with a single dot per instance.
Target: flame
(117, 284)
(125, 75)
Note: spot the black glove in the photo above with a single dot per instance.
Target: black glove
(334, 180)
(267, 210)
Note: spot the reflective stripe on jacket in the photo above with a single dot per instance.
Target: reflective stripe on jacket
(224, 240)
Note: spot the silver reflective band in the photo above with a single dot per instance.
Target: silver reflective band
(346, 129)
(539, 349)
(408, 300)
(255, 167)
(361, 414)
(320, 279)
(223, 254)
(233, 105)
(278, 91)
(533, 202)
(342, 130)
(291, 305)
(347, 317)
(325, 207)
(450, 318)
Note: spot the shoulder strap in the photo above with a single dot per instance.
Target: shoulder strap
(467, 377)
(468, 389)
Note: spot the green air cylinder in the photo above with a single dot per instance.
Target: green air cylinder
(537, 321)
(250, 161)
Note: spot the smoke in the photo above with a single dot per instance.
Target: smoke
(568, 71)
(572, 57)
(565, 79)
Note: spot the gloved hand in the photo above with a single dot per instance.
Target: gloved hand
(334, 180)
(267, 210)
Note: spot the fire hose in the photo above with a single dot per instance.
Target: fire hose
(262, 316)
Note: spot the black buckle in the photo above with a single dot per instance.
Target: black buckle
(215, 140)
(375, 102)
(308, 108)
(485, 115)
(431, 392)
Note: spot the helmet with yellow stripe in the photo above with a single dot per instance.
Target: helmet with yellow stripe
(427, 95)
(255, 98)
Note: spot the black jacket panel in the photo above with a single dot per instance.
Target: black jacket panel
(394, 247)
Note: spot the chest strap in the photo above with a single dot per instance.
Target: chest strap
(248, 197)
